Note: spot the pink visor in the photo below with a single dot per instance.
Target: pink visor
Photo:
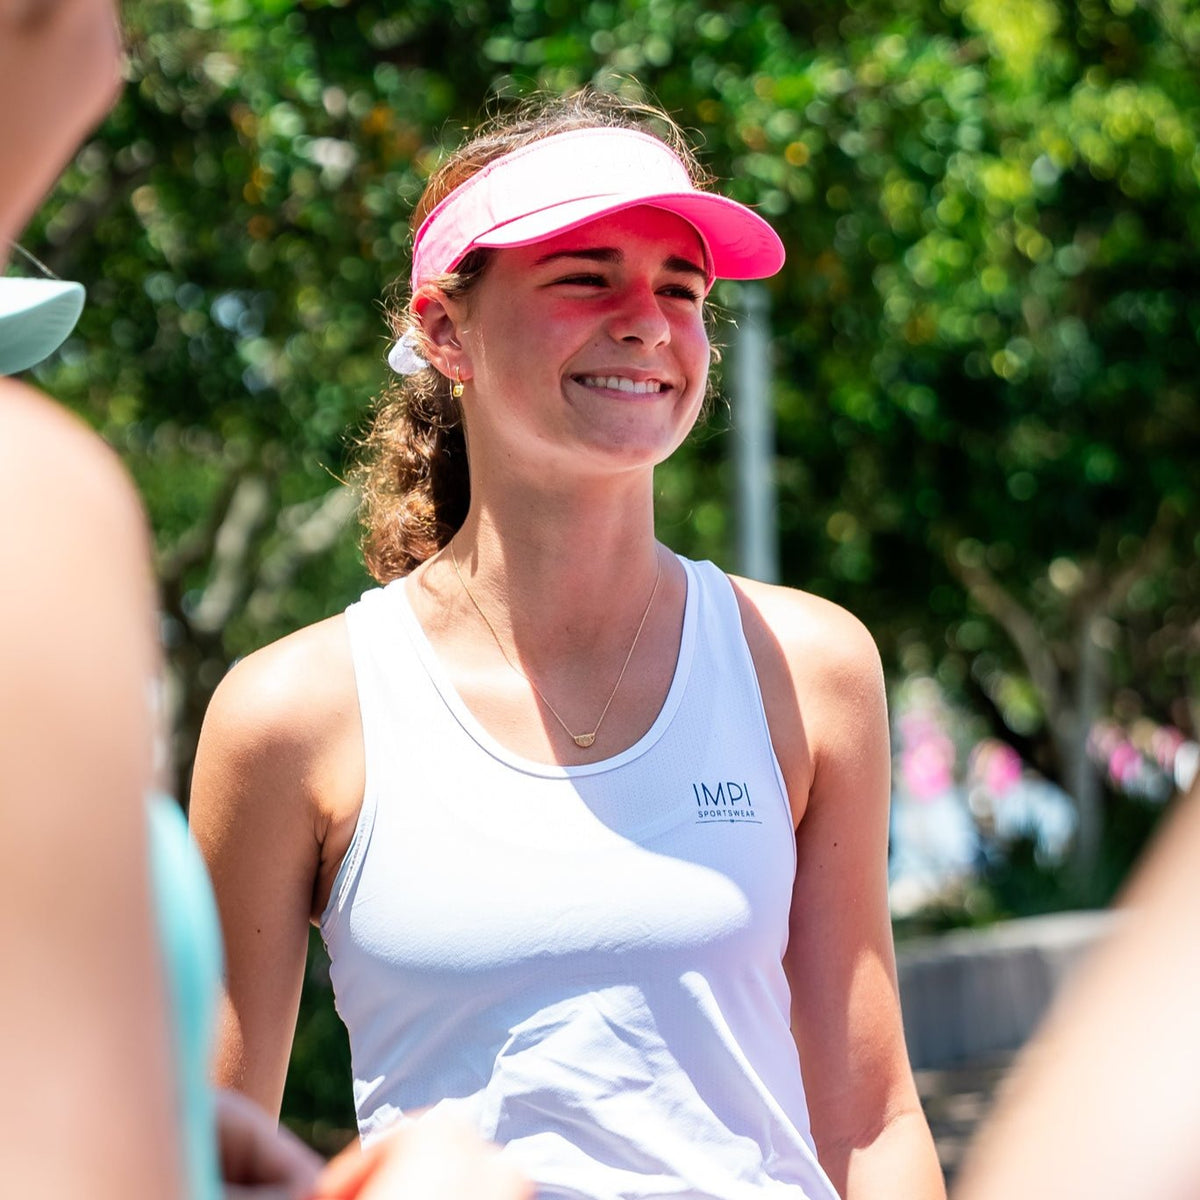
(568, 179)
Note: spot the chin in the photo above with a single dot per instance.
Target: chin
(632, 453)
(641, 442)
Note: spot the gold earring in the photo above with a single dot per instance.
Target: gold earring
(456, 388)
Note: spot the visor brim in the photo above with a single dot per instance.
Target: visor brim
(740, 244)
(36, 317)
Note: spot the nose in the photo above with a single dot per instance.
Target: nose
(638, 317)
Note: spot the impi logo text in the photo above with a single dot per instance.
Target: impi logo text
(726, 801)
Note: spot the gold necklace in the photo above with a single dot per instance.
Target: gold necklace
(583, 740)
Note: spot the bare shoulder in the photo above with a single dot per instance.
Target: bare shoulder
(279, 766)
(285, 701)
(826, 646)
(67, 484)
(37, 430)
(78, 623)
(820, 678)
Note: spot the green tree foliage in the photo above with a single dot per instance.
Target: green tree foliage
(987, 335)
(986, 331)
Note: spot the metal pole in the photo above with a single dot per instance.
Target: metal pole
(754, 439)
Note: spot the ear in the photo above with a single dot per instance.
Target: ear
(441, 318)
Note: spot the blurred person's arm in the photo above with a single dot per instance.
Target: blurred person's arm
(87, 1107)
(259, 1159)
(433, 1158)
(1105, 1103)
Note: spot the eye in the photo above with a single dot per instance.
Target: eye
(683, 291)
(583, 280)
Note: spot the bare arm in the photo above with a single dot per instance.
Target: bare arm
(271, 754)
(823, 686)
(88, 1103)
(1105, 1102)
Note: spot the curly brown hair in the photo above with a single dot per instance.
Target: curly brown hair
(412, 469)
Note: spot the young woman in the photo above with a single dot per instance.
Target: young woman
(596, 836)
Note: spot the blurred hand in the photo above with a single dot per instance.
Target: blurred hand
(434, 1158)
(260, 1161)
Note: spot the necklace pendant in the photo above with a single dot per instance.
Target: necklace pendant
(583, 740)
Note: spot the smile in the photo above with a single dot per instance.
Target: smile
(618, 383)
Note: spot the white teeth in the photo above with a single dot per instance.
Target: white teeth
(618, 383)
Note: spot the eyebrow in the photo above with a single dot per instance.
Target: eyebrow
(609, 254)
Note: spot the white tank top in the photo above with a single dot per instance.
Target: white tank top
(583, 962)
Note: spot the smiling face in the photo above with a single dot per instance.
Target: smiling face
(588, 351)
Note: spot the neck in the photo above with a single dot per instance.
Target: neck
(567, 590)
(562, 557)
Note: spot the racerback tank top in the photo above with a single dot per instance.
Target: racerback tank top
(582, 962)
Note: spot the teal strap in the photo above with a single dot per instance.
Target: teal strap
(191, 940)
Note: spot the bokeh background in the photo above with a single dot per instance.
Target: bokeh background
(985, 349)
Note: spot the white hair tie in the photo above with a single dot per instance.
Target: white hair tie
(403, 357)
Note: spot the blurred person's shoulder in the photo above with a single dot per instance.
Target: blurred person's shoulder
(77, 633)
(60, 479)
(72, 517)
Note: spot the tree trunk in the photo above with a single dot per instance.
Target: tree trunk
(1080, 773)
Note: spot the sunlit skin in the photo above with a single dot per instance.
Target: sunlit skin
(551, 325)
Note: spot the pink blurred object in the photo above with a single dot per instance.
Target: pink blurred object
(1124, 762)
(927, 766)
(996, 766)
